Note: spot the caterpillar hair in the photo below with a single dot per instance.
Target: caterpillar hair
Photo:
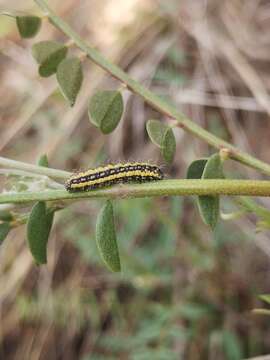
(113, 174)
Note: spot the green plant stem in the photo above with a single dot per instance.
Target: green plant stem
(251, 206)
(35, 169)
(12, 13)
(152, 99)
(158, 188)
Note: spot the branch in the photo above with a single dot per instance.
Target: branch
(158, 188)
(35, 169)
(155, 101)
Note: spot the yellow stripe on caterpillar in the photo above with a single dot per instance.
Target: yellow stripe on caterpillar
(113, 174)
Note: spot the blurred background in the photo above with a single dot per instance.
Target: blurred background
(184, 292)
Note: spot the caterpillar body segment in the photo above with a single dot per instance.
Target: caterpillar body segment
(113, 174)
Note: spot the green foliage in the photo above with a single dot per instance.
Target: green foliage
(28, 26)
(76, 229)
(226, 345)
(213, 168)
(154, 258)
(265, 297)
(207, 169)
(77, 309)
(48, 54)
(4, 230)
(168, 146)
(232, 346)
(209, 205)
(105, 110)
(146, 257)
(43, 160)
(209, 210)
(156, 131)
(39, 225)
(195, 169)
(70, 76)
(162, 136)
(38, 230)
(145, 287)
(153, 338)
(106, 238)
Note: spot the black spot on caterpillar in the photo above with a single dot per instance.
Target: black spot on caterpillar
(113, 174)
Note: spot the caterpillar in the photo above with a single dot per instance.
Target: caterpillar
(113, 174)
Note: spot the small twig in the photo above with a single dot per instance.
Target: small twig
(152, 99)
(13, 164)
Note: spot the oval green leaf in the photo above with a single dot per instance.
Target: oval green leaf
(209, 205)
(168, 146)
(70, 76)
(213, 168)
(195, 169)
(4, 230)
(156, 131)
(28, 26)
(48, 54)
(38, 229)
(106, 238)
(105, 110)
(209, 209)
(43, 160)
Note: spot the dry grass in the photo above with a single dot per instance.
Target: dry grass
(222, 63)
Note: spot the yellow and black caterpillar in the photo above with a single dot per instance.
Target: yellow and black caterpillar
(113, 174)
